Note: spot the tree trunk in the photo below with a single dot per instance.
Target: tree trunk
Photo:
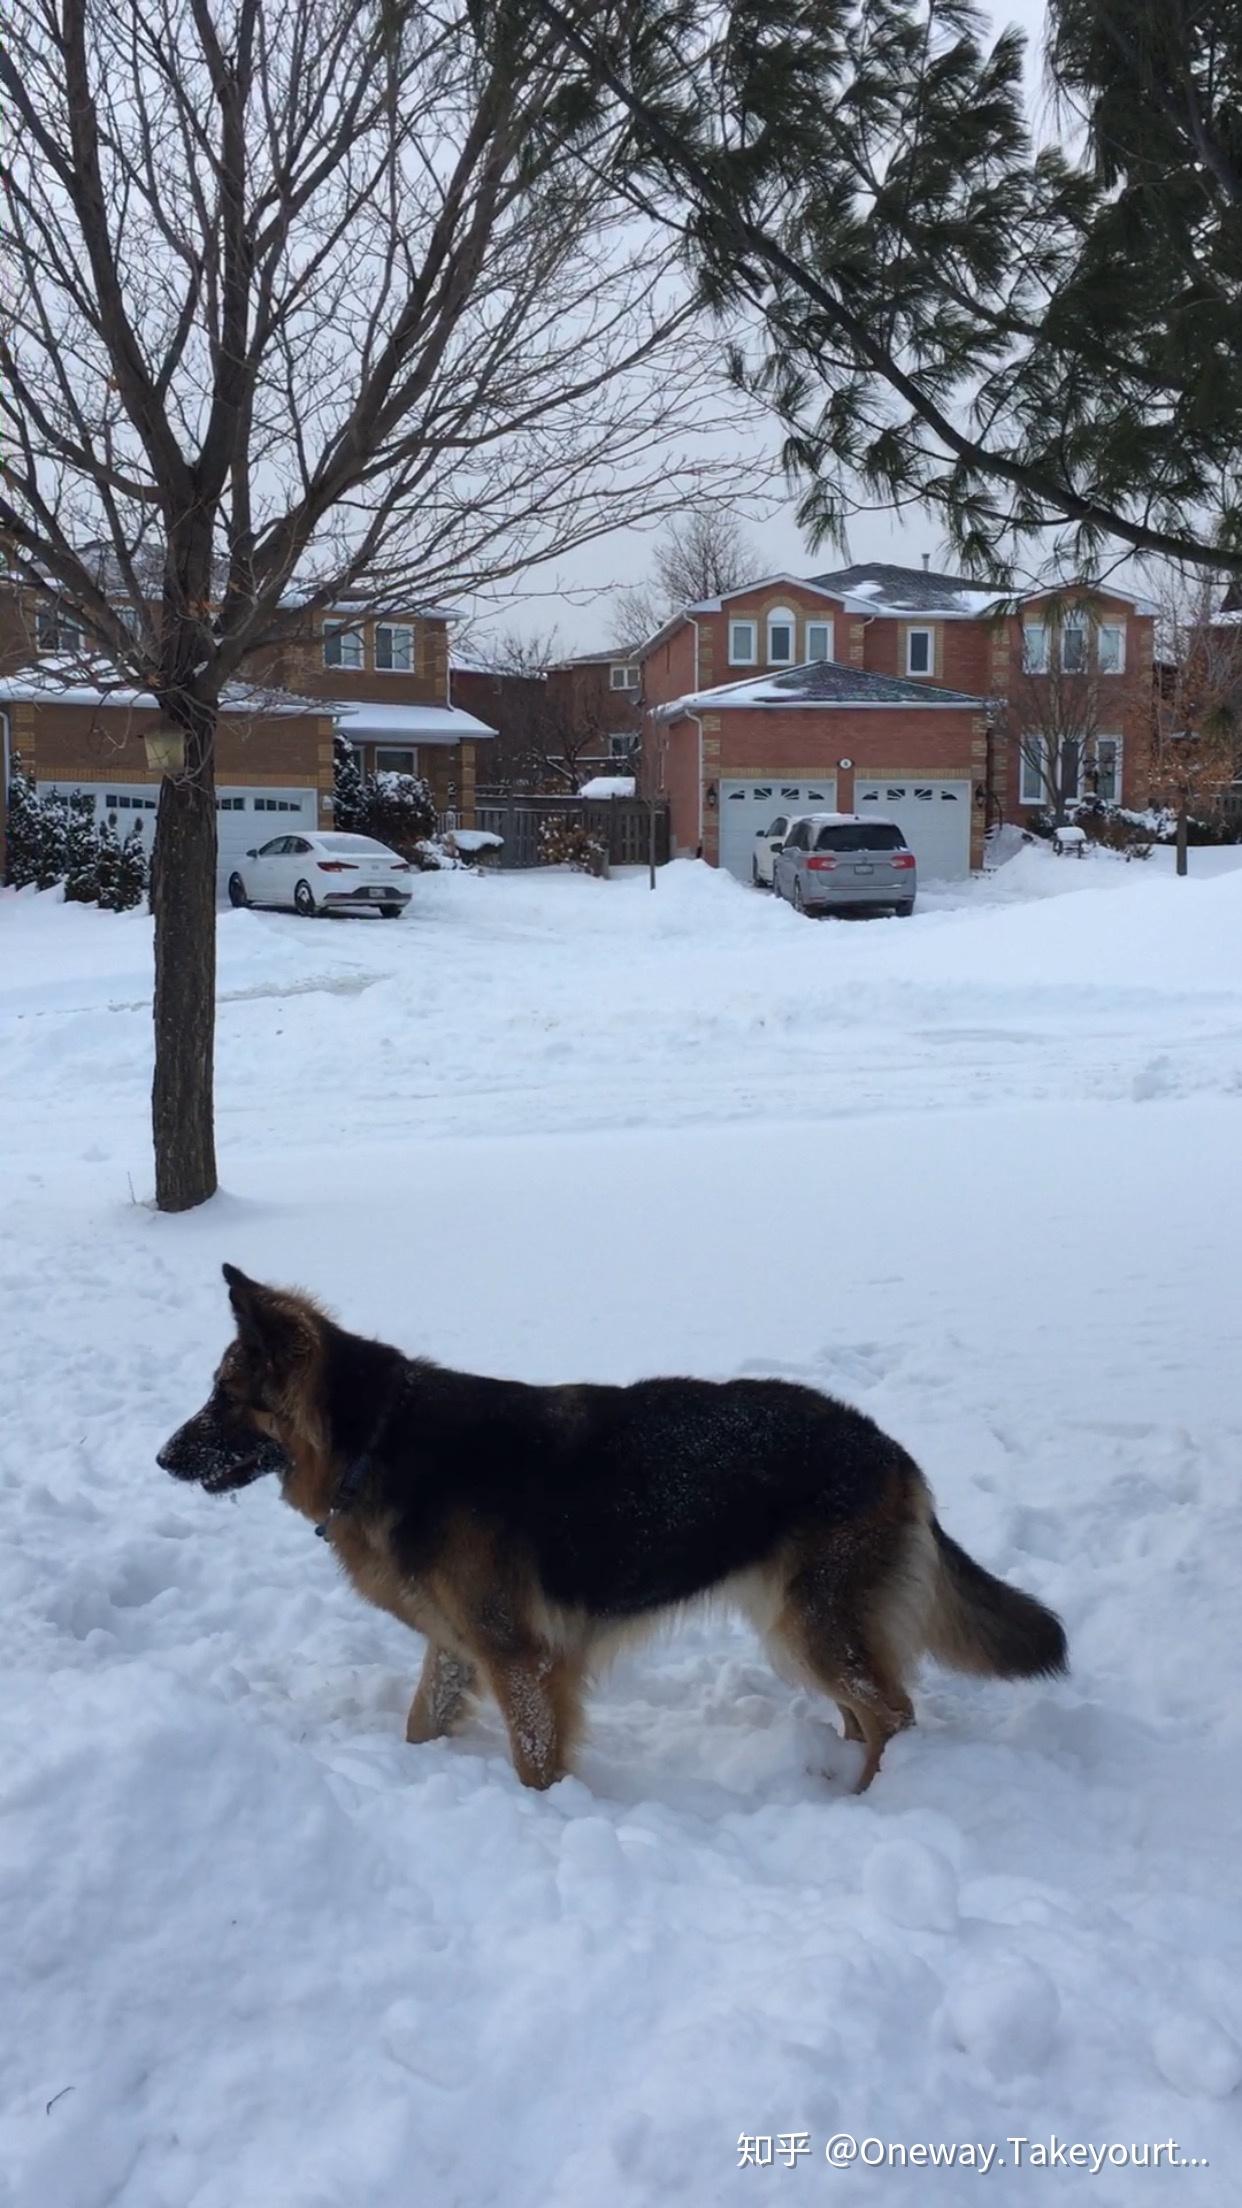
(1183, 840)
(183, 900)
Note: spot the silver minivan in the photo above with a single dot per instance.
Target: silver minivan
(838, 862)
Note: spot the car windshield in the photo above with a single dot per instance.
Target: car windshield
(352, 843)
(861, 835)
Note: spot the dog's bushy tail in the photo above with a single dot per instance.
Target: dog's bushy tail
(977, 1623)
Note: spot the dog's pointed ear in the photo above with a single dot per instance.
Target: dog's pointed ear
(262, 1314)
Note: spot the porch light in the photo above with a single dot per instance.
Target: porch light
(165, 749)
(713, 796)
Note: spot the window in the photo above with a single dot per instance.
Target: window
(396, 762)
(863, 835)
(56, 632)
(394, 647)
(1073, 648)
(275, 849)
(622, 747)
(782, 629)
(342, 647)
(1035, 777)
(819, 640)
(230, 804)
(799, 837)
(276, 805)
(623, 678)
(920, 651)
(1035, 648)
(296, 846)
(1111, 648)
(129, 804)
(1101, 776)
(741, 643)
(778, 827)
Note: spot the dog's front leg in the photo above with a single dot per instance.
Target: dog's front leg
(539, 1700)
(443, 1691)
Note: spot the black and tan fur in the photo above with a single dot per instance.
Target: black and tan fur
(529, 1532)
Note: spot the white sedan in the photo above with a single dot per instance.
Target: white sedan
(328, 873)
(768, 841)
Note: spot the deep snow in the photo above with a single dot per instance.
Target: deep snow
(980, 1174)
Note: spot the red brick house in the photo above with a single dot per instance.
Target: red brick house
(380, 680)
(932, 711)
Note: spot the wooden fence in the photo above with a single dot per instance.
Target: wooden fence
(623, 825)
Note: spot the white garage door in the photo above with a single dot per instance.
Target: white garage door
(746, 807)
(244, 818)
(934, 818)
(247, 818)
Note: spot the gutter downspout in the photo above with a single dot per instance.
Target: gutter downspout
(699, 725)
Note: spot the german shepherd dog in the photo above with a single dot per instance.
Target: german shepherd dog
(528, 1532)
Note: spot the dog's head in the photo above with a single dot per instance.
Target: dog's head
(260, 1397)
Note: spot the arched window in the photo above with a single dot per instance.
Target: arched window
(782, 637)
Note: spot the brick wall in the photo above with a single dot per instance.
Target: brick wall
(298, 664)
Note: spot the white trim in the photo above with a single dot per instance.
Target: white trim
(1039, 665)
(921, 628)
(830, 631)
(744, 659)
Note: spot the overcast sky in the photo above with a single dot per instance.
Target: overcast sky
(575, 600)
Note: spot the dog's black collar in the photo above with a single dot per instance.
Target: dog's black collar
(358, 1471)
(348, 1488)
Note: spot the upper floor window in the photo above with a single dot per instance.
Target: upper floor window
(56, 631)
(1074, 647)
(741, 643)
(394, 647)
(1111, 648)
(623, 676)
(1035, 648)
(782, 629)
(819, 640)
(342, 646)
(920, 651)
(623, 746)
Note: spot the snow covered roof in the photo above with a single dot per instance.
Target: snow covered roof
(912, 590)
(45, 685)
(821, 682)
(609, 785)
(614, 654)
(378, 720)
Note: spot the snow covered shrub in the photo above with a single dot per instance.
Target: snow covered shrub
(81, 856)
(397, 810)
(571, 843)
(104, 872)
(24, 830)
(1114, 829)
(348, 801)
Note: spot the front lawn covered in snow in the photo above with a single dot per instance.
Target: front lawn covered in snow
(980, 1175)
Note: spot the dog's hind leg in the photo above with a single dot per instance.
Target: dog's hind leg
(440, 1700)
(540, 1697)
(834, 1632)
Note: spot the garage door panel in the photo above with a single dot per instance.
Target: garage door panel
(747, 806)
(933, 813)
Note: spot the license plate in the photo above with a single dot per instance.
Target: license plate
(373, 892)
(864, 870)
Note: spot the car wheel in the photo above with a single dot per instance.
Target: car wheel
(754, 873)
(391, 912)
(798, 898)
(304, 901)
(237, 893)
(905, 912)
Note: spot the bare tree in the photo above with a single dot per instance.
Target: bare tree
(1064, 711)
(548, 730)
(1197, 746)
(700, 555)
(305, 302)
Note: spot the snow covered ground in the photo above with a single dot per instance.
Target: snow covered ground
(979, 1173)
